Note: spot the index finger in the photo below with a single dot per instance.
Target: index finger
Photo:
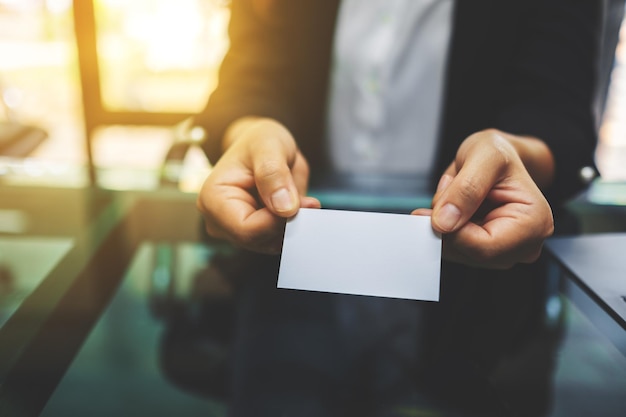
(478, 172)
(271, 161)
(235, 216)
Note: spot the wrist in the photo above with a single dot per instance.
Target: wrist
(535, 155)
(236, 129)
(258, 126)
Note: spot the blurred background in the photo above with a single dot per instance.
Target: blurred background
(145, 66)
(109, 84)
(156, 63)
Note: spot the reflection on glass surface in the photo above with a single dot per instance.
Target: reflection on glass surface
(119, 368)
(162, 340)
(24, 263)
(127, 365)
(591, 374)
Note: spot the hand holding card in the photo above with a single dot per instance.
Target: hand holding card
(362, 253)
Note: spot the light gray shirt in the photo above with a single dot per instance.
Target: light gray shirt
(387, 82)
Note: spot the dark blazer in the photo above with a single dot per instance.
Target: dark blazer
(525, 67)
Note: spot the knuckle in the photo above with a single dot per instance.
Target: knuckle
(548, 227)
(200, 204)
(203, 202)
(269, 170)
(468, 190)
(304, 166)
(212, 229)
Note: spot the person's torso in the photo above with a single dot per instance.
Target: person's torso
(387, 85)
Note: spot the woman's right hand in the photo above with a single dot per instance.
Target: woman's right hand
(259, 182)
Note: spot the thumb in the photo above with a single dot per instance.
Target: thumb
(465, 192)
(271, 161)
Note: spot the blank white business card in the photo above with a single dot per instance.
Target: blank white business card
(362, 253)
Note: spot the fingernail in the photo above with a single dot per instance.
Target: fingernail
(448, 217)
(444, 182)
(281, 200)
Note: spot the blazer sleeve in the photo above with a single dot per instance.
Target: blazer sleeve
(549, 88)
(248, 82)
(275, 67)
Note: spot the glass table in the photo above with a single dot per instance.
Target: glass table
(107, 297)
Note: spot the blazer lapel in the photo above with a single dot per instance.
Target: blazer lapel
(479, 35)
